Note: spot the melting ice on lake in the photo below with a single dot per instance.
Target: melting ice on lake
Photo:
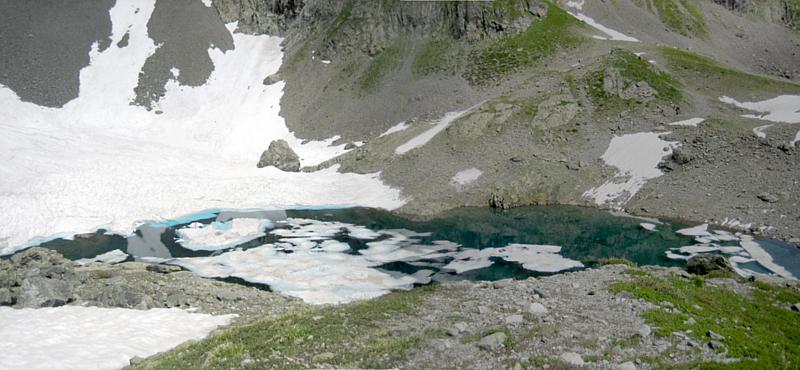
(341, 255)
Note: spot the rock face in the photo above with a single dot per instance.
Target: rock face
(280, 155)
(704, 264)
(38, 277)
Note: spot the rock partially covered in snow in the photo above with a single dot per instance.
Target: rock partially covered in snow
(280, 155)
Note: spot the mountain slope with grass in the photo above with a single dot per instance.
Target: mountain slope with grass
(543, 88)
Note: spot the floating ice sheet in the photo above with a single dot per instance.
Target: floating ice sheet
(309, 263)
(73, 337)
(113, 257)
(221, 235)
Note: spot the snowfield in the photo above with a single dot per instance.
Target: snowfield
(72, 337)
(99, 162)
(636, 156)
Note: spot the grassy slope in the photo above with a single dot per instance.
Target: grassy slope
(759, 328)
(340, 336)
(681, 16)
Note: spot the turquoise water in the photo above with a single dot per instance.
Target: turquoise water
(585, 235)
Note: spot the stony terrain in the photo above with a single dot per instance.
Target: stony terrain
(538, 126)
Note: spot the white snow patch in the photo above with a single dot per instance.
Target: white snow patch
(796, 139)
(692, 122)
(101, 162)
(760, 131)
(636, 156)
(612, 34)
(207, 3)
(429, 134)
(465, 177)
(221, 235)
(73, 337)
(325, 61)
(396, 128)
(111, 258)
(784, 108)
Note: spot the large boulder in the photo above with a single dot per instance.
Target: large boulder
(704, 264)
(280, 155)
(38, 277)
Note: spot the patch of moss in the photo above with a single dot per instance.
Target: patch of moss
(512, 52)
(341, 336)
(616, 261)
(681, 16)
(759, 329)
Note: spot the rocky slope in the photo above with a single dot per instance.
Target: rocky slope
(546, 97)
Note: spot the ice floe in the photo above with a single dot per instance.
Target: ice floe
(111, 258)
(747, 252)
(221, 235)
(648, 226)
(541, 258)
(72, 337)
(100, 162)
(309, 261)
(636, 156)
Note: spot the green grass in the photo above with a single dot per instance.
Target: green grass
(387, 60)
(759, 329)
(633, 69)
(436, 56)
(702, 72)
(616, 261)
(681, 16)
(512, 52)
(343, 336)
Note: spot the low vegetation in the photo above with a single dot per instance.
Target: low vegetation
(681, 16)
(338, 336)
(706, 73)
(632, 69)
(511, 52)
(757, 327)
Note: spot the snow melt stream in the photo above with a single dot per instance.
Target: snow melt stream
(100, 162)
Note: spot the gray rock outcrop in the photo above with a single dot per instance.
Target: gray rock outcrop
(704, 264)
(38, 277)
(281, 156)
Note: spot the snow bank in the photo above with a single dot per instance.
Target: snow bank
(612, 34)
(221, 235)
(784, 108)
(760, 131)
(636, 156)
(396, 128)
(72, 337)
(101, 162)
(692, 122)
(428, 135)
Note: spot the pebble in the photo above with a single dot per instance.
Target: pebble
(514, 320)
(572, 358)
(715, 336)
(625, 366)
(796, 307)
